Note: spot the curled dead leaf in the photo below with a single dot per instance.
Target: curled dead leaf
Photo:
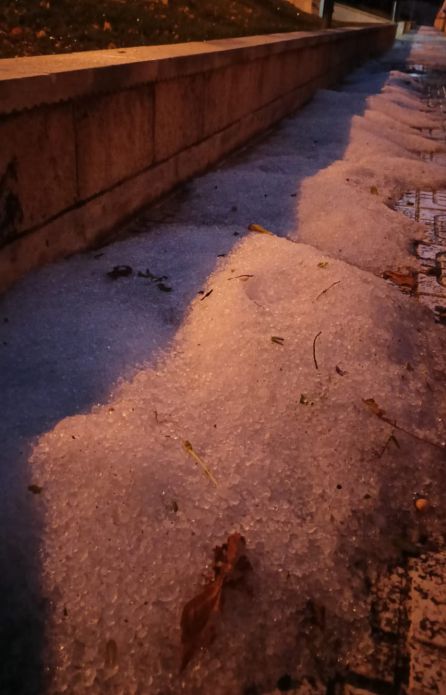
(304, 400)
(197, 620)
(199, 614)
(120, 271)
(374, 407)
(260, 230)
(407, 280)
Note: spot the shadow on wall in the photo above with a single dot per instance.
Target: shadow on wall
(68, 332)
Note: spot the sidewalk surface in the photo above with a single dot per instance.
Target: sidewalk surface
(195, 379)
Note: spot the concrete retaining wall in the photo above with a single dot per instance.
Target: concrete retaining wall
(347, 13)
(88, 139)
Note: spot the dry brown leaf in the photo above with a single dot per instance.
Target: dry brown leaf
(374, 407)
(198, 616)
(197, 620)
(107, 26)
(259, 229)
(41, 34)
(407, 279)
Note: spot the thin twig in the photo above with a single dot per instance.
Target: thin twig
(391, 438)
(314, 349)
(206, 295)
(376, 410)
(328, 288)
(245, 275)
(438, 445)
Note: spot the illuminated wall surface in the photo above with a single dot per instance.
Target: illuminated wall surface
(123, 127)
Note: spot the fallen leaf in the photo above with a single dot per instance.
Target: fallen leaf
(304, 400)
(150, 276)
(374, 407)
(340, 371)
(277, 339)
(373, 190)
(260, 230)
(199, 614)
(35, 489)
(41, 34)
(120, 271)
(405, 280)
(197, 620)
(106, 26)
(322, 264)
(164, 288)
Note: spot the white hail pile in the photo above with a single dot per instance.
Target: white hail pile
(304, 469)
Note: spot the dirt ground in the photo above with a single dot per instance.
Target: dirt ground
(36, 27)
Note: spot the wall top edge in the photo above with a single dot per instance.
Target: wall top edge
(33, 81)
